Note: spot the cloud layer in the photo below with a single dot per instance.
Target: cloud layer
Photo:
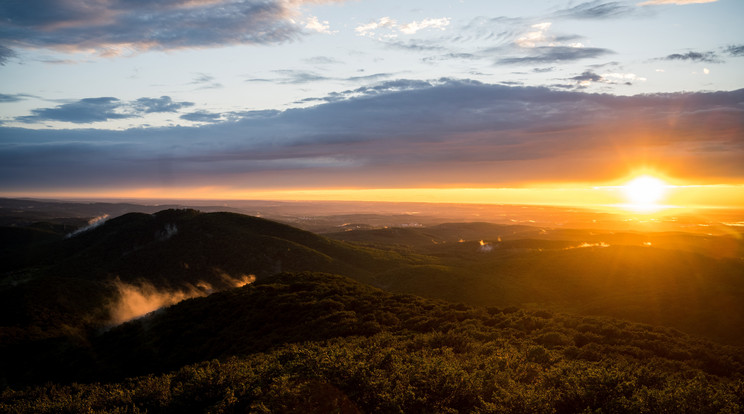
(397, 133)
(113, 27)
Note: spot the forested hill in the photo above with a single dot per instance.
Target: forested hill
(313, 342)
(250, 315)
(59, 283)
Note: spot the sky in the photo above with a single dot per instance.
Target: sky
(545, 101)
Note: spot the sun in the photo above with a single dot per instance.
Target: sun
(644, 191)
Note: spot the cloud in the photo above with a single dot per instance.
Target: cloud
(413, 27)
(397, 133)
(391, 28)
(315, 25)
(162, 104)
(535, 45)
(414, 46)
(370, 28)
(296, 77)
(5, 55)
(81, 112)
(555, 54)
(372, 77)
(589, 77)
(597, 9)
(292, 76)
(534, 37)
(735, 50)
(710, 57)
(205, 81)
(322, 60)
(102, 109)
(451, 56)
(5, 98)
(202, 116)
(116, 27)
(675, 2)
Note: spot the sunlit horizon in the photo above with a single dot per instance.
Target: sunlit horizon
(598, 197)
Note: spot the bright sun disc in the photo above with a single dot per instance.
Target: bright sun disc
(645, 191)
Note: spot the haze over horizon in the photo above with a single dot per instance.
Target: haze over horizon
(530, 102)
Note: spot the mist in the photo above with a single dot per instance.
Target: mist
(92, 223)
(136, 300)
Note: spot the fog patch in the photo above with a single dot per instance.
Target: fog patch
(92, 223)
(136, 300)
(585, 245)
(485, 247)
(240, 281)
(169, 231)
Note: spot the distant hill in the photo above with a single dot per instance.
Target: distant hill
(311, 342)
(689, 281)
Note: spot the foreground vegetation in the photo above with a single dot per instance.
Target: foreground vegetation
(313, 342)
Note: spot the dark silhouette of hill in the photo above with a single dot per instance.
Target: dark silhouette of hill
(311, 342)
(65, 287)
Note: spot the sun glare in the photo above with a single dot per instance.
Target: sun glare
(645, 192)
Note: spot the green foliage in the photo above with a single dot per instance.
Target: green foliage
(312, 342)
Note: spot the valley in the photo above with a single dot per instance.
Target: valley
(158, 310)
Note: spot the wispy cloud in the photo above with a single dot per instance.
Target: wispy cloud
(6, 98)
(205, 81)
(5, 55)
(296, 77)
(709, 57)
(89, 110)
(597, 9)
(675, 2)
(735, 50)
(322, 60)
(388, 28)
(114, 28)
(557, 54)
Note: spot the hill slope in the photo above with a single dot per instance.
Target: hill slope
(314, 342)
(691, 282)
(135, 263)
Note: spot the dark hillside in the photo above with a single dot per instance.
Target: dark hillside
(314, 342)
(65, 288)
(176, 246)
